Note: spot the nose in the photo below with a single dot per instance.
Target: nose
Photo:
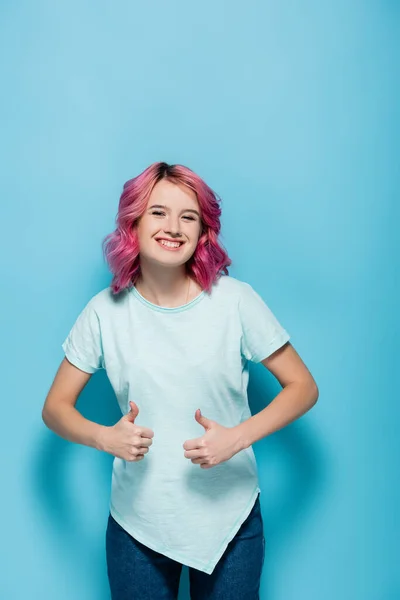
(173, 227)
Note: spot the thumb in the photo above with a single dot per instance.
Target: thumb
(207, 423)
(133, 413)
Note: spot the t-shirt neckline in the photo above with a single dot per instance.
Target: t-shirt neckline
(167, 309)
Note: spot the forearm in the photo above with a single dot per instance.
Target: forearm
(68, 423)
(291, 403)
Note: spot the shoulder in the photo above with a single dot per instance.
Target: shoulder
(105, 301)
(243, 296)
(235, 288)
(230, 293)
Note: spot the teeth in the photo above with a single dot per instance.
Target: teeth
(172, 245)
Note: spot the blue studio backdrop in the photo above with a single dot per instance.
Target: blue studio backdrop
(289, 111)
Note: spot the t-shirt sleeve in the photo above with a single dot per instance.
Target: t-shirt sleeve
(83, 345)
(262, 334)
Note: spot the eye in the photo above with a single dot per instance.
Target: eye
(159, 212)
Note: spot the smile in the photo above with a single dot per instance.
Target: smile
(169, 245)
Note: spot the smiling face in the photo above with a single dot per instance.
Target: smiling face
(173, 213)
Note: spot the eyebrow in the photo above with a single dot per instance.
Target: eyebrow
(166, 208)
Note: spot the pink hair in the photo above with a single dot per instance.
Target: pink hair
(121, 248)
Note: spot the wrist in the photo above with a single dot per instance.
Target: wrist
(241, 440)
(100, 441)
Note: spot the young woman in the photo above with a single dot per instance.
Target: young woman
(175, 334)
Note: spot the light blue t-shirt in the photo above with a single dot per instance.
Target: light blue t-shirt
(170, 362)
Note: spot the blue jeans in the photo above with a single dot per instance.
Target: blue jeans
(135, 572)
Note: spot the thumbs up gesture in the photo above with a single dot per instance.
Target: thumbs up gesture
(217, 445)
(127, 440)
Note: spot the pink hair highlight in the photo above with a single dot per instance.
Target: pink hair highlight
(121, 247)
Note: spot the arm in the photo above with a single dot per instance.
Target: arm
(299, 394)
(59, 412)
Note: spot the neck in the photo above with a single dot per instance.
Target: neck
(163, 286)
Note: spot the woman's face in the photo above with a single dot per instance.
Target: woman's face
(172, 212)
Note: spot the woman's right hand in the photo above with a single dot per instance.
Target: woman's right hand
(125, 439)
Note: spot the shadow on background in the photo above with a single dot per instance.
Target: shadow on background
(292, 468)
(72, 484)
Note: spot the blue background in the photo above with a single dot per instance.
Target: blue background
(289, 111)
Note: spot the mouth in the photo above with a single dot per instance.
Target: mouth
(167, 245)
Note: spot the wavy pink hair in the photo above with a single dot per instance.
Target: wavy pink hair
(121, 248)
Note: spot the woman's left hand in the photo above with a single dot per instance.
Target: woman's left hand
(217, 445)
